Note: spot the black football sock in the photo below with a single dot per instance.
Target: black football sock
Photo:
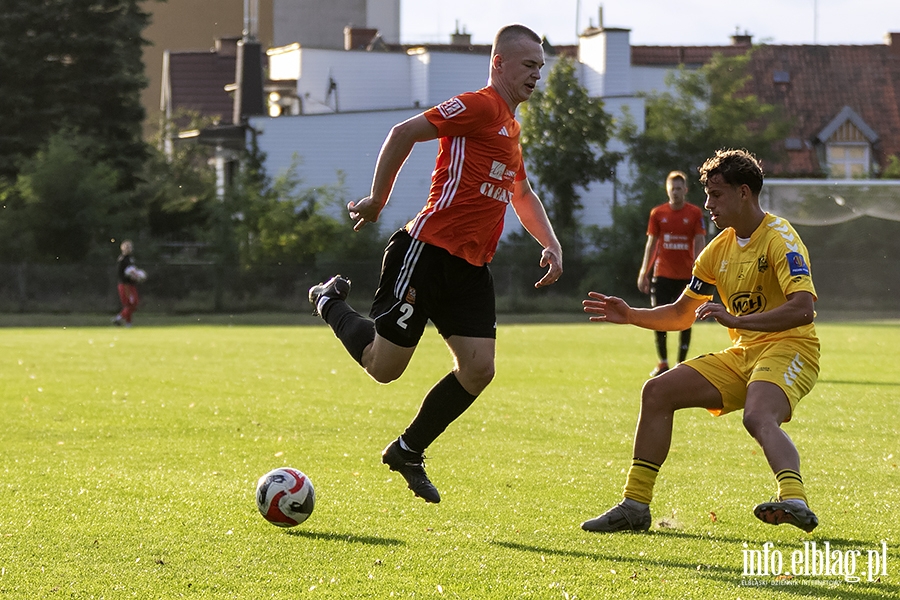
(354, 330)
(661, 349)
(685, 344)
(442, 405)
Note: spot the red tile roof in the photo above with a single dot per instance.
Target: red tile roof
(661, 56)
(812, 84)
(822, 80)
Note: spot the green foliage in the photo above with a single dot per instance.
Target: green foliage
(72, 65)
(892, 170)
(179, 189)
(707, 109)
(281, 221)
(564, 137)
(64, 205)
(287, 224)
(131, 457)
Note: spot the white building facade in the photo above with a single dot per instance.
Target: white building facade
(343, 103)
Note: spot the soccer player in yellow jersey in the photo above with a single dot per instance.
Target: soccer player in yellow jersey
(760, 269)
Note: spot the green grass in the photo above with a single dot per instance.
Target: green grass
(129, 460)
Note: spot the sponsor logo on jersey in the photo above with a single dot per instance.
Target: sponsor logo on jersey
(496, 192)
(675, 241)
(450, 108)
(797, 264)
(503, 132)
(747, 303)
(498, 170)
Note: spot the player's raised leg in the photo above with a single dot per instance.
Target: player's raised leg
(445, 402)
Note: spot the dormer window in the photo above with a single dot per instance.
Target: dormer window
(848, 144)
(847, 160)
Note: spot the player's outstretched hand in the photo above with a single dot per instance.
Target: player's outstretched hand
(552, 258)
(608, 309)
(363, 211)
(713, 310)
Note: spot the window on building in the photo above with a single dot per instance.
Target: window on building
(848, 161)
(847, 153)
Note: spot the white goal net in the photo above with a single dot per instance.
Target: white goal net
(818, 202)
(852, 230)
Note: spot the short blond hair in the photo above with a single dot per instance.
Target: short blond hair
(510, 33)
(677, 175)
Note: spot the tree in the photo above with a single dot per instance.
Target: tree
(564, 137)
(707, 109)
(281, 221)
(178, 189)
(72, 65)
(892, 170)
(63, 206)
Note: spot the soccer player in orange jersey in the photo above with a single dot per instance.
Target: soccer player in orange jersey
(435, 268)
(675, 236)
(760, 268)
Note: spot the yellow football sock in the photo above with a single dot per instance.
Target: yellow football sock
(640, 480)
(790, 485)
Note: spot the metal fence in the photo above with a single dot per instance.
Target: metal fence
(851, 284)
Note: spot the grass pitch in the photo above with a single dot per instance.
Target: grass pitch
(129, 460)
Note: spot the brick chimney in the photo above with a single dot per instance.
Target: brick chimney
(460, 38)
(227, 46)
(358, 38)
(892, 39)
(741, 39)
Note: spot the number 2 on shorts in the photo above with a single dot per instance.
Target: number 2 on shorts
(407, 310)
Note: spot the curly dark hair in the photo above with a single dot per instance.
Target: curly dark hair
(737, 167)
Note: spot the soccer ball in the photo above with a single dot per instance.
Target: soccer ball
(285, 497)
(137, 275)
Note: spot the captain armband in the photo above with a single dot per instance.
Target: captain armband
(698, 286)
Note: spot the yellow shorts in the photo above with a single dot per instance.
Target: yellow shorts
(792, 365)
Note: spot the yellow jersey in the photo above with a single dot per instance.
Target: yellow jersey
(755, 275)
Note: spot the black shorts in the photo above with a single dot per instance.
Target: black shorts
(421, 282)
(666, 291)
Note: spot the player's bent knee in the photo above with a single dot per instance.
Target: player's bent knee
(651, 392)
(754, 422)
(385, 372)
(475, 377)
(382, 377)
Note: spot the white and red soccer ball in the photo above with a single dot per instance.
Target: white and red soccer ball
(285, 497)
(135, 274)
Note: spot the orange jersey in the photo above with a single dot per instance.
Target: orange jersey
(675, 231)
(477, 167)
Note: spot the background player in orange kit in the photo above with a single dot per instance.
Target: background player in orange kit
(435, 268)
(675, 237)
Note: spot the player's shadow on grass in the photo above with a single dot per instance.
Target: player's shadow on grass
(731, 575)
(369, 540)
(642, 560)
